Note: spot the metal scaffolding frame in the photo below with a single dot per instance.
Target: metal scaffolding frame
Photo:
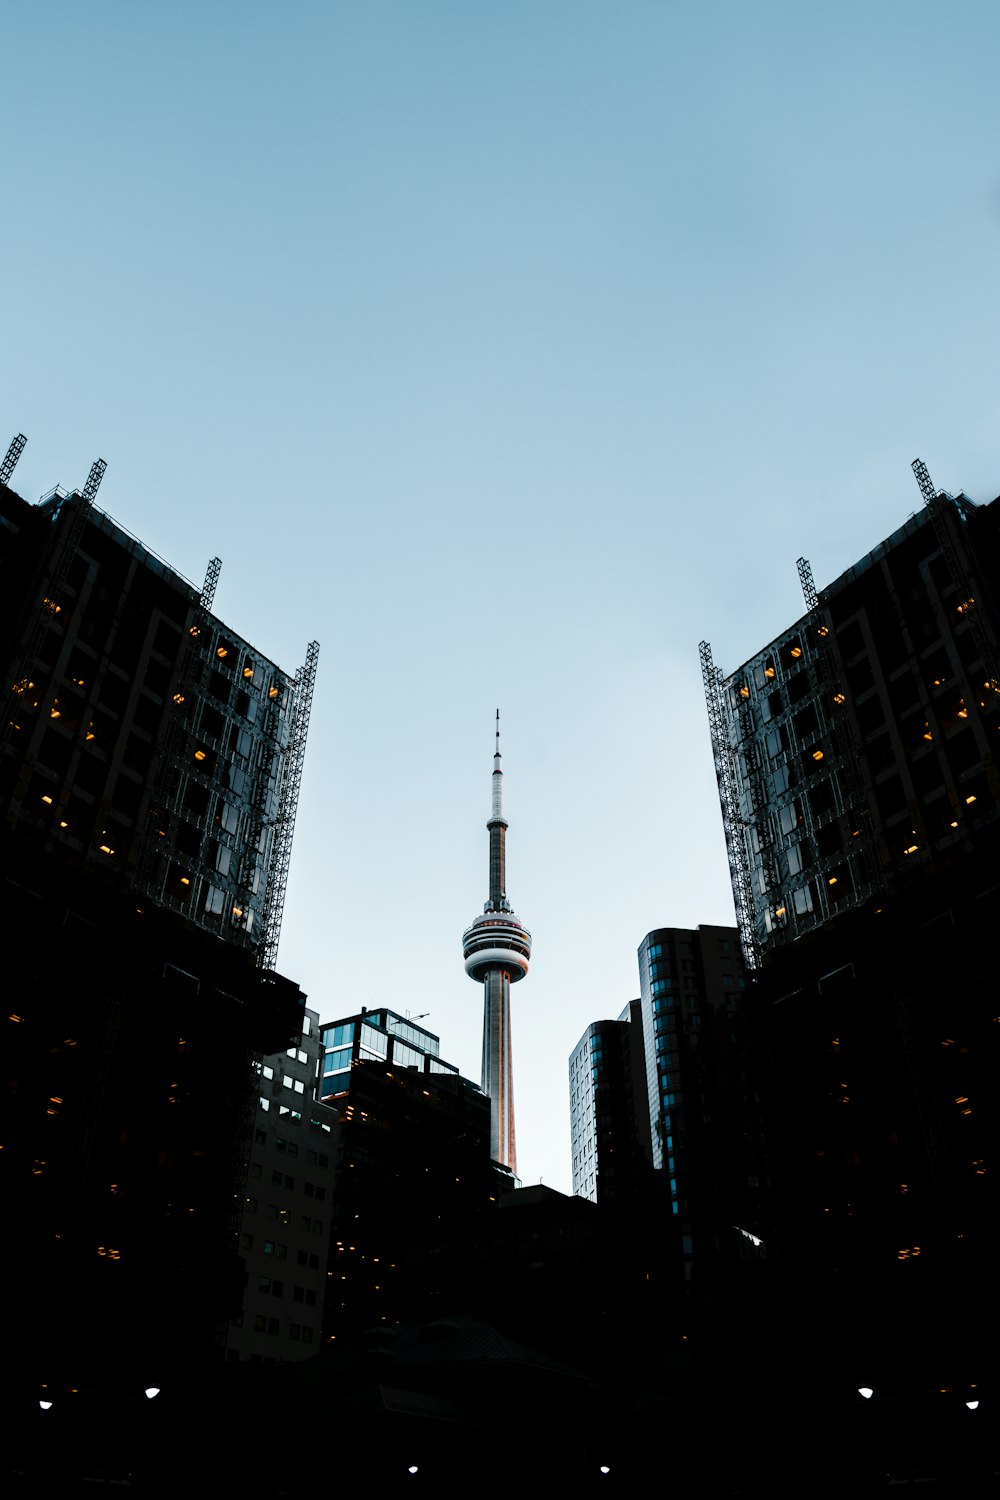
(94, 478)
(291, 782)
(208, 587)
(809, 593)
(725, 776)
(14, 452)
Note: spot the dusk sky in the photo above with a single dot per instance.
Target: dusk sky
(508, 349)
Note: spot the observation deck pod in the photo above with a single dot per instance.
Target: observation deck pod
(496, 940)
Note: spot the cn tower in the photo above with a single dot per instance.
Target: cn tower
(497, 948)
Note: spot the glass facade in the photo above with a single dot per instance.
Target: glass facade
(609, 1123)
(692, 987)
(381, 1037)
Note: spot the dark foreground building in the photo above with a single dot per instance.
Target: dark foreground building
(858, 770)
(411, 1157)
(149, 766)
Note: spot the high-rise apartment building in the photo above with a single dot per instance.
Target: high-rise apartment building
(497, 948)
(149, 767)
(857, 758)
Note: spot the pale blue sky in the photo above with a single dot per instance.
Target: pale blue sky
(508, 349)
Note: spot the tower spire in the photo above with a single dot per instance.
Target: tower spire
(496, 949)
(497, 829)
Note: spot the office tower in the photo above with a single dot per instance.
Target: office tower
(858, 773)
(411, 1155)
(700, 1088)
(285, 1225)
(609, 1109)
(497, 948)
(149, 765)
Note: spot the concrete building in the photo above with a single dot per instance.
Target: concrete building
(497, 948)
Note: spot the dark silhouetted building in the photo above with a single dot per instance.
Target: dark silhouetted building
(149, 766)
(285, 1226)
(859, 779)
(411, 1157)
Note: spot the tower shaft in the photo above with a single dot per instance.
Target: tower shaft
(498, 1078)
(496, 948)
